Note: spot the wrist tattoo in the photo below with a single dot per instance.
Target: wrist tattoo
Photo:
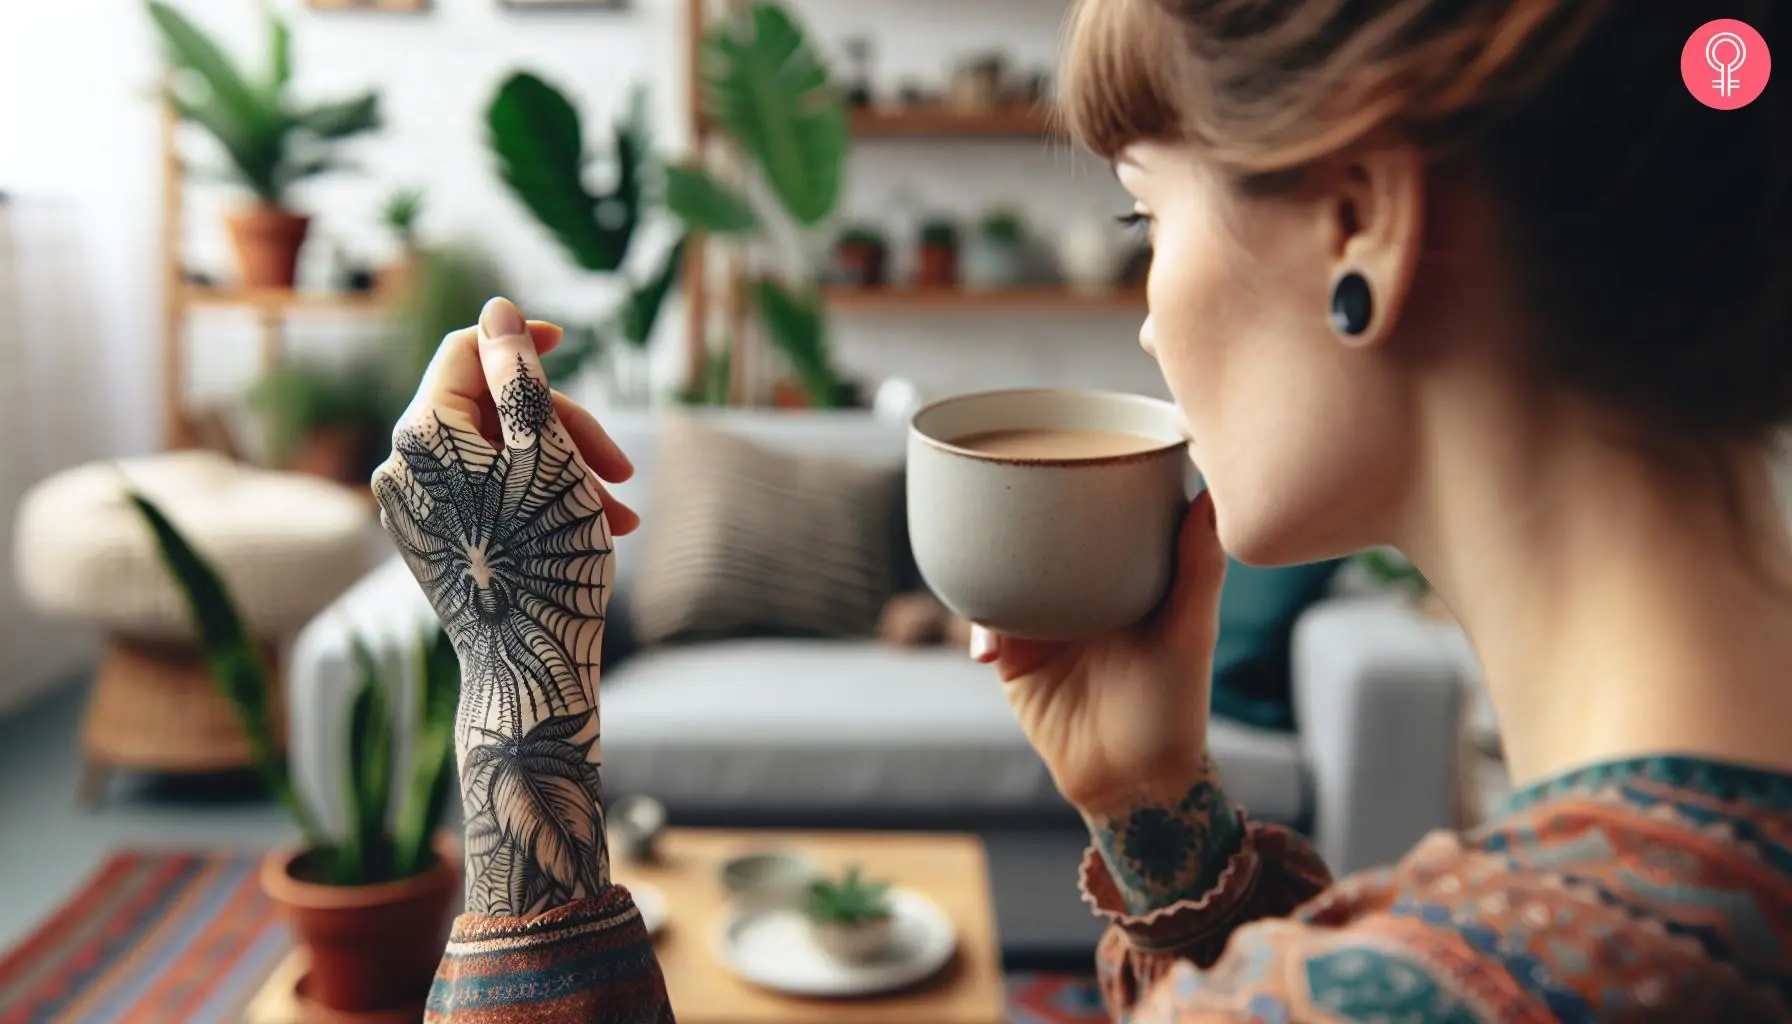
(1160, 853)
(511, 545)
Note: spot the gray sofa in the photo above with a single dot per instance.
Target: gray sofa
(776, 730)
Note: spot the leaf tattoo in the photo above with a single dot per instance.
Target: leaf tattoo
(512, 548)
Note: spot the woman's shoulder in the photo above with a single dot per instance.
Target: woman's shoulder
(1661, 884)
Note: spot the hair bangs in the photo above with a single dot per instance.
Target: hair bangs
(1118, 81)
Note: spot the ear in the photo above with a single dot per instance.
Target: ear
(1377, 226)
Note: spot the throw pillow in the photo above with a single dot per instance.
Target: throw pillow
(744, 539)
(1258, 610)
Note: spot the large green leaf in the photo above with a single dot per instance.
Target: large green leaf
(342, 118)
(541, 156)
(234, 660)
(706, 204)
(797, 327)
(255, 159)
(767, 86)
(642, 310)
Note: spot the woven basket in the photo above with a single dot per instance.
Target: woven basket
(155, 708)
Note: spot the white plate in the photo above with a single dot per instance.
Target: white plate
(651, 902)
(771, 947)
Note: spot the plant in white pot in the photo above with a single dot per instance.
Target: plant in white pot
(851, 918)
(370, 904)
(272, 141)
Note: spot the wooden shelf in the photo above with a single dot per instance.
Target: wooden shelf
(1025, 122)
(280, 301)
(1014, 300)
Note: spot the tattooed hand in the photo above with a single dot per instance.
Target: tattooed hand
(492, 494)
(1121, 722)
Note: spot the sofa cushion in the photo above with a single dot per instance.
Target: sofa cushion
(780, 725)
(747, 539)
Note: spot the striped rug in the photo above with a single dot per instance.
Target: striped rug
(162, 937)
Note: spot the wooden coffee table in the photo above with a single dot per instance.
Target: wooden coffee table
(950, 869)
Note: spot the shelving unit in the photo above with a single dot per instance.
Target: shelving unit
(936, 122)
(273, 309)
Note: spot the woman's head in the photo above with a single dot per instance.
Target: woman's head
(1540, 209)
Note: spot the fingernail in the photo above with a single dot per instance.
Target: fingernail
(501, 319)
(983, 645)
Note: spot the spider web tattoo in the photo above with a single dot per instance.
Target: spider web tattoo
(513, 550)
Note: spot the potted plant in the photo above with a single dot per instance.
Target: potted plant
(765, 85)
(861, 257)
(370, 904)
(400, 215)
(272, 141)
(849, 919)
(994, 258)
(936, 266)
(328, 421)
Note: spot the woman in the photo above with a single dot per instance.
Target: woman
(1478, 279)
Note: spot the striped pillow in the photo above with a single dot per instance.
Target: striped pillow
(745, 539)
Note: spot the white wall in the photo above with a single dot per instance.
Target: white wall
(79, 150)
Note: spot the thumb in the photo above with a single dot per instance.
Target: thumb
(513, 373)
(1188, 621)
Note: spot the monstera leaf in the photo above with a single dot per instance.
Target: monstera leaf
(765, 84)
(541, 156)
(706, 204)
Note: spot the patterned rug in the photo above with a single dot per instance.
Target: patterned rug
(189, 938)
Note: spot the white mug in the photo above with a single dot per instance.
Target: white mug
(1055, 548)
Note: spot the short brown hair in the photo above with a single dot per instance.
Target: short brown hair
(1653, 235)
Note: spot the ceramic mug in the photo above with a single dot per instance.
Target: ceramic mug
(1047, 548)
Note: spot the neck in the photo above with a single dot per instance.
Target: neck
(1619, 607)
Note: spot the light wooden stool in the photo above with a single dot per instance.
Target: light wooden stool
(285, 545)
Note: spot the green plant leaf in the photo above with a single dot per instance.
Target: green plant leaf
(234, 660)
(706, 204)
(541, 156)
(432, 757)
(642, 309)
(279, 53)
(191, 49)
(796, 326)
(343, 118)
(767, 86)
(370, 769)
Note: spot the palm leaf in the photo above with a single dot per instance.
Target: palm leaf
(191, 49)
(541, 156)
(279, 54)
(765, 83)
(235, 662)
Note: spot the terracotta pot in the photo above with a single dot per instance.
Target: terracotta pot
(267, 241)
(861, 263)
(371, 947)
(334, 453)
(938, 266)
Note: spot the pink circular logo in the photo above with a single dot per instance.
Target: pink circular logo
(1725, 64)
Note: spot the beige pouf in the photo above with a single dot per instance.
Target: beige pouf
(285, 545)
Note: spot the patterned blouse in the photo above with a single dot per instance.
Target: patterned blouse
(1656, 889)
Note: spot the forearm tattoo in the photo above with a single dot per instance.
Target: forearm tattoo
(1163, 853)
(513, 549)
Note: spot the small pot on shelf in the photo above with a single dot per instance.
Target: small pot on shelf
(338, 453)
(861, 258)
(267, 240)
(936, 265)
(995, 258)
(371, 947)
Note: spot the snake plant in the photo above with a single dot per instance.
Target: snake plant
(391, 819)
